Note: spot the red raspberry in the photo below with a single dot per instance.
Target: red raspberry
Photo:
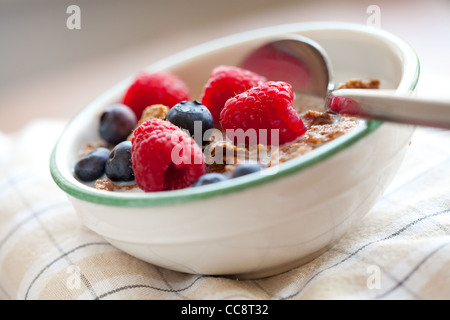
(224, 83)
(164, 157)
(155, 88)
(346, 106)
(269, 106)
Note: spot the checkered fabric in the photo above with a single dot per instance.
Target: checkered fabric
(400, 250)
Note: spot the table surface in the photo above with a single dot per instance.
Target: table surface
(57, 75)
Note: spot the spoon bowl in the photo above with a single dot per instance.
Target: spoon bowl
(297, 60)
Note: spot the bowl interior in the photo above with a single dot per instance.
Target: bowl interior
(356, 51)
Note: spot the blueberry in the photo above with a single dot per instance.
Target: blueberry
(92, 166)
(245, 168)
(210, 178)
(194, 117)
(118, 166)
(117, 122)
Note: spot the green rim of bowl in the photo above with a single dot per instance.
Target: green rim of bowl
(80, 191)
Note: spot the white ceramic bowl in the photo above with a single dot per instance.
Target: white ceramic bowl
(256, 225)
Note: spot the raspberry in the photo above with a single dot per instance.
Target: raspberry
(224, 83)
(269, 106)
(164, 157)
(154, 88)
(346, 106)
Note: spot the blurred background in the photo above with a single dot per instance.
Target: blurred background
(50, 71)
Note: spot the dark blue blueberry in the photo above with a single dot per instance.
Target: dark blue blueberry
(118, 166)
(245, 168)
(194, 117)
(117, 122)
(210, 178)
(92, 166)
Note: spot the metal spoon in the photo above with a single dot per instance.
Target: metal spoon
(304, 64)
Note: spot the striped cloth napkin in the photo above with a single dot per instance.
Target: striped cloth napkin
(400, 250)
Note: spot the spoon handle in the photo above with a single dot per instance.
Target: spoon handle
(388, 105)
